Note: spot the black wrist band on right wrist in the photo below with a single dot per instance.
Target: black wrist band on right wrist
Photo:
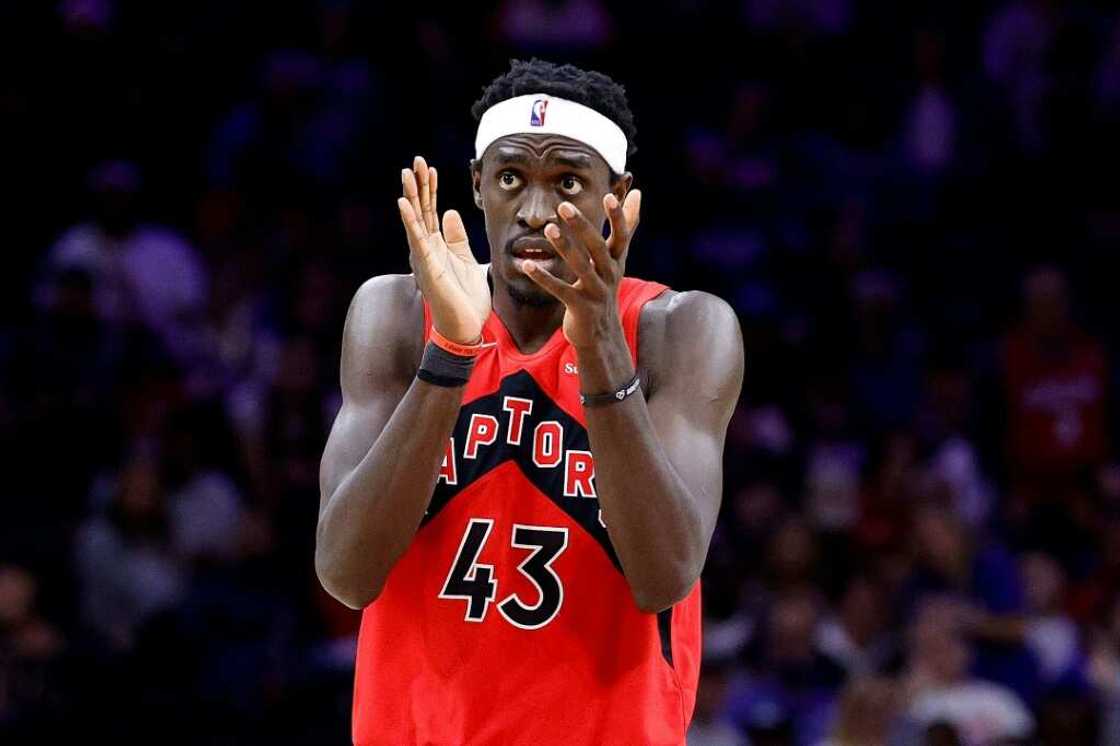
(442, 368)
(438, 380)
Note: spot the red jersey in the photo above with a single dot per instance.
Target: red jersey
(1057, 420)
(508, 619)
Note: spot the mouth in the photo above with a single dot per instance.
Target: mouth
(538, 250)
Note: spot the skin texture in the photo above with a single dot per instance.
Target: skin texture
(657, 457)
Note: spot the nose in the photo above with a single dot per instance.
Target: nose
(537, 209)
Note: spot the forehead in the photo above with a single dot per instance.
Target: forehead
(543, 150)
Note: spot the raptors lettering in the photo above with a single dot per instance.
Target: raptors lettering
(547, 446)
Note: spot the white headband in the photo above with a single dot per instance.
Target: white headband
(539, 112)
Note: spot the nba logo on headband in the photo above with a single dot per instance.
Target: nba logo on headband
(536, 118)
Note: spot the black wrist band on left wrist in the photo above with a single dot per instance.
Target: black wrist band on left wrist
(612, 397)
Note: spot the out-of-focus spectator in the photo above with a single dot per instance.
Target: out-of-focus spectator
(887, 365)
(30, 652)
(1050, 633)
(889, 490)
(555, 24)
(857, 635)
(866, 714)
(792, 555)
(299, 129)
(1091, 597)
(790, 687)
(123, 559)
(1056, 379)
(140, 272)
(1104, 673)
(204, 507)
(931, 123)
(941, 690)
(1016, 41)
(983, 585)
(711, 724)
(832, 485)
(955, 475)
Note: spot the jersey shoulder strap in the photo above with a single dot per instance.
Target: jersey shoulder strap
(632, 296)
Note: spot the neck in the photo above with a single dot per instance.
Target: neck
(530, 326)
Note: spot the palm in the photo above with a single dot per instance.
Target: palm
(571, 324)
(574, 324)
(451, 280)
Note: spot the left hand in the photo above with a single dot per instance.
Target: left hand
(591, 302)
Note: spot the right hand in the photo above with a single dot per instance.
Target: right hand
(450, 279)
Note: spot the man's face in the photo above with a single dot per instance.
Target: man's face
(518, 184)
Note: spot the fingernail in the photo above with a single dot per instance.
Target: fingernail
(529, 265)
(404, 173)
(552, 231)
(612, 201)
(566, 210)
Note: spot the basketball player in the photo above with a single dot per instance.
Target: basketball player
(522, 482)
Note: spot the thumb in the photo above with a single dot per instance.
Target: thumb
(455, 233)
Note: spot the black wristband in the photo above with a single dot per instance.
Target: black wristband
(442, 368)
(595, 400)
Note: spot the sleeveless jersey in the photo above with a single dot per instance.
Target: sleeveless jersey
(508, 619)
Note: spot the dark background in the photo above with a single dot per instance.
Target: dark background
(912, 207)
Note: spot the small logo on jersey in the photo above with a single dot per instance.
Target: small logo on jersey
(571, 369)
(536, 117)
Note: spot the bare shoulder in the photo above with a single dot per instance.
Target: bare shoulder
(691, 336)
(382, 338)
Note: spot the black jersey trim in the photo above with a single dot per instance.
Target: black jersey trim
(665, 632)
(549, 480)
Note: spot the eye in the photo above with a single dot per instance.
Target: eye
(571, 185)
(508, 180)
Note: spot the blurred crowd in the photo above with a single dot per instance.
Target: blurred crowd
(908, 204)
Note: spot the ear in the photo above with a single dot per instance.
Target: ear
(476, 181)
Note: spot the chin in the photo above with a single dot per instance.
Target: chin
(529, 296)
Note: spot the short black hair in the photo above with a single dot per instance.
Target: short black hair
(588, 87)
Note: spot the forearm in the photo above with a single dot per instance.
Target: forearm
(374, 512)
(650, 517)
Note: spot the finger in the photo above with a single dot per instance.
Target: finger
(573, 255)
(555, 287)
(620, 231)
(412, 192)
(414, 229)
(423, 174)
(433, 184)
(587, 236)
(423, 262)
(631, 214)
(632, 208)
(455, 234)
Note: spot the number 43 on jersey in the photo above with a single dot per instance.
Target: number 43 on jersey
(475, 583)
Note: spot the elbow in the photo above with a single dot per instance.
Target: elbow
(666, 593)
(344, 589)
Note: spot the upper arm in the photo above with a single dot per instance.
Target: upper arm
(697, 349)
(381, 345)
